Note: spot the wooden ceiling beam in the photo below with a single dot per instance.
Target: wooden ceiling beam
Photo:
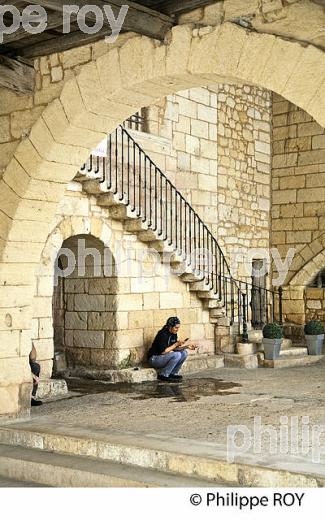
(16, 75)
(61, 43)
(54, 21)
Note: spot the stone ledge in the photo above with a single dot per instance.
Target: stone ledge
(290, 361)
(194, 363)
(241, 361)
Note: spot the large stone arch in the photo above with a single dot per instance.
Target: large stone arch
(100, 96)
(309, 261)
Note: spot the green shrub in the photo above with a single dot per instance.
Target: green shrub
(314, 328)
(272, 331)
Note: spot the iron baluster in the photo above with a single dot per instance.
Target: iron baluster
(166, 209)
(156, 201)
(171, 224)
(116, 160)
(109, 183)
(232, 296)
(121, 196)
(144, 218)
(140, 182)
(280, 292)
(134, 179)
(245, 330)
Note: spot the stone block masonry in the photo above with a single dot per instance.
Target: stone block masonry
(220, 159)
(298, 196)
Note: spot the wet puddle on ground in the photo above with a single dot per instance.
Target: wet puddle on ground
(186, 390)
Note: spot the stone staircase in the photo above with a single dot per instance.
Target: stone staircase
(137, 193)
(141, 202)
(151, 239)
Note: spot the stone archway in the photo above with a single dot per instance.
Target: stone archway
(101, 95)
(96, 236)
(309, 261)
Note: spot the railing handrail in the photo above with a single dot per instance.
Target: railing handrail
(215, 269)
(179, 193)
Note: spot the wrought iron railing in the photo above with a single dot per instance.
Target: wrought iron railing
(137, 182)
(135, 122)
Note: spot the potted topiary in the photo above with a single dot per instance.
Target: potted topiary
(272, 339)
(314, 334)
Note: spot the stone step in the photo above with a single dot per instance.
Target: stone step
(200, 286)
(249, 361)
(136, 225)
(108, 200)
(121, 212)
(191, 277)
(73, 451)
(161, 246)
(206, 295)
(147, 236)
(213, 303)
(290, 361)
(197, 362)
(65, 470)
(293, 351)
(93, 187)
(202, 359)
(217, 313)
(176, 260)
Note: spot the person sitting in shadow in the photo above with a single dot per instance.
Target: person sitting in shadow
(36, 370)
(167, 354)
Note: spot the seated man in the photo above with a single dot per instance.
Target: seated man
(35, 368)
(167, 353)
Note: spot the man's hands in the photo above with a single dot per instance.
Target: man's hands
(186, 344)
(181, 345)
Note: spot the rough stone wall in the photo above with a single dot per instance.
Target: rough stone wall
(244, 164)
(219, 157)
(315, 303)
(298, 191)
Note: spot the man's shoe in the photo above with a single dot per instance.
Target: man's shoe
(177, 377)
(165, 378)
(34, 402)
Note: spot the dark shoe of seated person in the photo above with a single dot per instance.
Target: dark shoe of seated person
(35, 402)
(166, 378)
(178, 377)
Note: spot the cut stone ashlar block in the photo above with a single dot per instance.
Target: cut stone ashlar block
(88, 339)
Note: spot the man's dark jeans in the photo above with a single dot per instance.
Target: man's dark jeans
(36, 369)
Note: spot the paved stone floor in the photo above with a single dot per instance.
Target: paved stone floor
(201, 407)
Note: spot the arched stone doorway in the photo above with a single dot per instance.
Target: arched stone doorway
(84, 303)
(58, 324)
